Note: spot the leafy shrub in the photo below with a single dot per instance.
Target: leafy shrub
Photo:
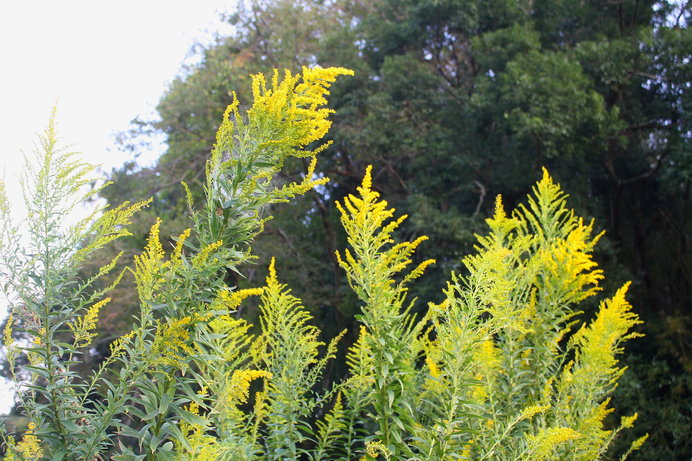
(502, 368)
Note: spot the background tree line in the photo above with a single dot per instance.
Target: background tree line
(454, 102)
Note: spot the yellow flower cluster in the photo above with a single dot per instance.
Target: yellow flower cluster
(171, 341)
(488, 356)
(466, 452)
(570, 262)
(500, 223)
(228, 300)
(533, 410)
(365, 219)
(202, 257)
(83, 327)
(543, 444)
(153, 247)
(308, 183)
(296, 104)
(149, 263)
(238, 389)
(28, 449)
(287, 114)
(598, 343)
(8, 341)
(433, 369)
(374, 448)
(180, 241)
(117, 347)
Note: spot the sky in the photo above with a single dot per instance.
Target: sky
(103, 62)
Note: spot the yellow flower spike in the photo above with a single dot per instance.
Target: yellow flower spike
(178, 250)
(432, 367)
(366, 185)
(437, 310)
(271, 278)
(569, 260)
(500, 224)
(231, 300)
(83, 327)
(530, 412)
(203, 255)
(376, 259)
(543, 444)
(628, 421)
(7, 332)
(375, 447)
(149, 263)
(488, 356)
(238, 390)
(295, 102)
(307, 184)
(434, 382)
(117, 347)
(257, 92)
(8, 341)
(170, 341)
(153, 243)
(30, 445)
(418, 271)
(637, 444)
(599, 342)
(466, 452)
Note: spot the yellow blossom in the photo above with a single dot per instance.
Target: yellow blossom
(543, 444)
(180, 241)
(598, 343)
(171, 340)
(466, 452)
(83, 327)
(432, 367)
(369, 225)
(488, 355)
(531, 411)
(117, 347)
(149, 263)
(375, 447)
(636, 445)
(500, 224)
(7, 332)
(8, 341)
(228, 300)
(29, 448)
(204, 254)
(628, 421)
(296, 102)
(237, 390)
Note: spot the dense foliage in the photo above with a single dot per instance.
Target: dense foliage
(504, 367)
(456, 101)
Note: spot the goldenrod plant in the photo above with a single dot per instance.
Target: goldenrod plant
(504, 367)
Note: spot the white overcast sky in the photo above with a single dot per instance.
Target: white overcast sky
(106, 62)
